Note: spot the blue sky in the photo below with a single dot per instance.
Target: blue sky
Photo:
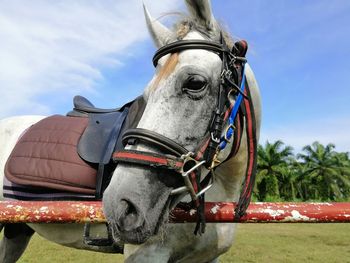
(299, 51)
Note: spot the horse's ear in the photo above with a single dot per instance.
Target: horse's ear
(202, 13)
(161, 34)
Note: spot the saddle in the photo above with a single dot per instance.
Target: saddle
(72, 153)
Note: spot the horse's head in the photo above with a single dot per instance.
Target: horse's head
(181, 99)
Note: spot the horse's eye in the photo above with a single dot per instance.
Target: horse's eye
(195, 83)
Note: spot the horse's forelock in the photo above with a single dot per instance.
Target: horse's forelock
(166, 70)
(183, 27)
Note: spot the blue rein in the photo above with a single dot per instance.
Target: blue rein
(229, 132)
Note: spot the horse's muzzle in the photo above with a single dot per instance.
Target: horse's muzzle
(128, 223)
(128, 218)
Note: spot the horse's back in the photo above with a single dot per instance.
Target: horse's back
(10, 130)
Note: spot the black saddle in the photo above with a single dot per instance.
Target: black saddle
(102, 136)
(82, 107)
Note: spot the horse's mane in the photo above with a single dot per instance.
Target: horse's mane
(186, 24)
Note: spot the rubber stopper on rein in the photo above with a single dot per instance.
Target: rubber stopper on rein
(240, 48)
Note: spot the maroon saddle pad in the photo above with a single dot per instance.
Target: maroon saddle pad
(46, 156)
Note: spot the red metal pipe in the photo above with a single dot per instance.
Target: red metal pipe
(80, 212)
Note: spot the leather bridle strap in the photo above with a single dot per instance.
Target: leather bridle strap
(132, 136)
(189, 44)
(151, 159)
(252, 145)
(185, 166)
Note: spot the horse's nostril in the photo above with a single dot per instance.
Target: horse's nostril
(129, 219)
(130, 209)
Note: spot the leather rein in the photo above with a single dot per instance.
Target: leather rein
(233, 102)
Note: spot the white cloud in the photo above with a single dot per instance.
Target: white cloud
(59, 47)
(303, 133)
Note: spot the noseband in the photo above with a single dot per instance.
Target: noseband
(233, 102)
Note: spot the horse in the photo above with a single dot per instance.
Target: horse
(183, 106)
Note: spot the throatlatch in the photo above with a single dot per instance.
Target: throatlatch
(233, 103)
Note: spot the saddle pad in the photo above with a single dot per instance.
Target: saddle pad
(12, 191)
(46, 156)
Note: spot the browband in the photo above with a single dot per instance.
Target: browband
(188, 44)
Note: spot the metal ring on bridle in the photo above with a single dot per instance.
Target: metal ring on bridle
(226, 135)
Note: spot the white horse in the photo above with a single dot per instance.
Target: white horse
(180, 100)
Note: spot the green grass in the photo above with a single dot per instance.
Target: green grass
(254, 243)
(290, 243)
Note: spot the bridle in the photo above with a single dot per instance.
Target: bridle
(233, 101)
(176, 158)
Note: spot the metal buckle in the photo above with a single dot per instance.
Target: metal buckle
(233, 59)
(217, 140)
(215, 162)
(226, 73)
(185, 174)
(230, 93)
(226, 131)
(188, 183)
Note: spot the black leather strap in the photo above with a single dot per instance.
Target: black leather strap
(150, 159)
(188, 44)
(155, 139)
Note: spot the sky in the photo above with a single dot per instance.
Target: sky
(299, 51)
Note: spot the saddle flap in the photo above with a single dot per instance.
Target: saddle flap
(102, 134)
(97, 143)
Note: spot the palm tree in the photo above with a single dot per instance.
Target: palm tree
(273, 160)
(286, 182)
(322, 167)
(343, 163)
(303, 185)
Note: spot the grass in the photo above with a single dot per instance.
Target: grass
(290, 243)
(254, 243)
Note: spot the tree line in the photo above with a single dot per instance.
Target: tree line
(318, 173)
